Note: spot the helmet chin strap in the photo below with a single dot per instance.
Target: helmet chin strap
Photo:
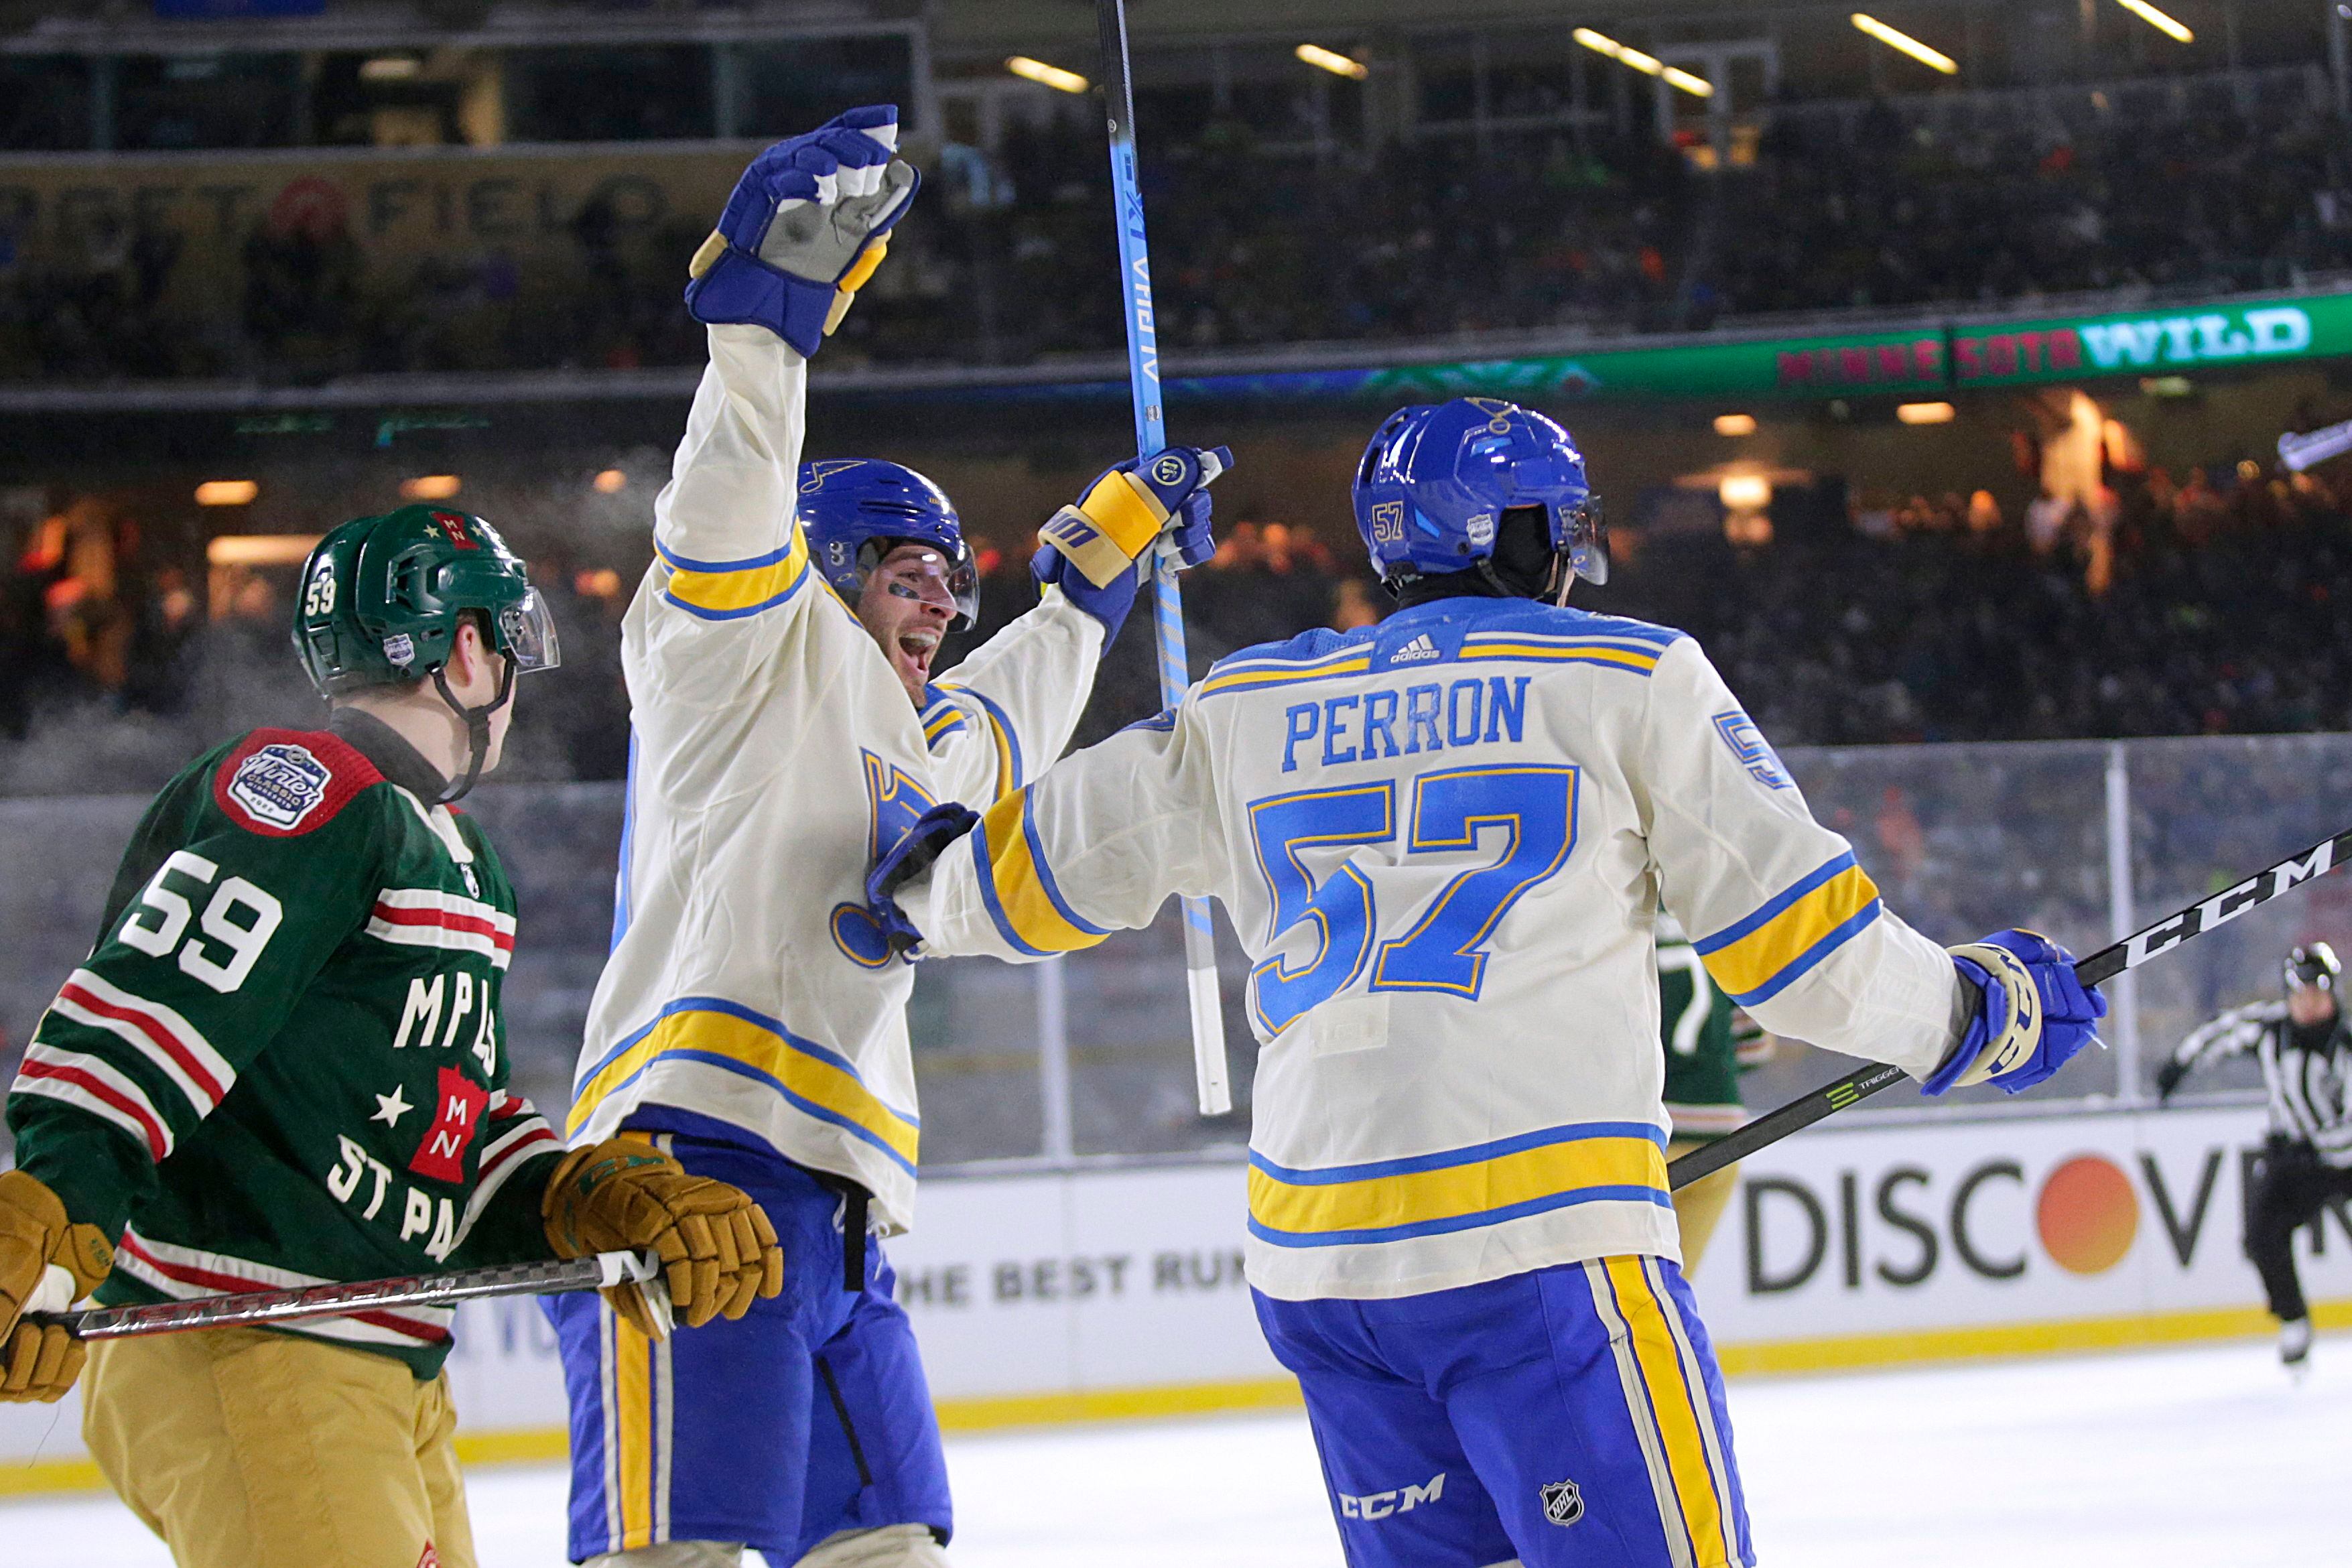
(478, 725)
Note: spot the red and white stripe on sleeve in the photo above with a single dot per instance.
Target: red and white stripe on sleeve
(96, 1085)
(427, 917)
(160, 1036)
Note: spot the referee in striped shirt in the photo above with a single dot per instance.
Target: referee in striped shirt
(2306, 1052)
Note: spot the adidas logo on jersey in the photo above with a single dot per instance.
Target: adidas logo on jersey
(1420, 647)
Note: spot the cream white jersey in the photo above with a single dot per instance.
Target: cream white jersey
(747, 995)
(1444, 840)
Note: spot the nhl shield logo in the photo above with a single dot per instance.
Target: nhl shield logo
(1563, 1503)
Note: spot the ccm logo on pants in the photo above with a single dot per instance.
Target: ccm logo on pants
(1379, 1505)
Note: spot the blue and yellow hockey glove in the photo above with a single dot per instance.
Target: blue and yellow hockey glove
(2032, 1014)
(808, 224)
(1093, 551)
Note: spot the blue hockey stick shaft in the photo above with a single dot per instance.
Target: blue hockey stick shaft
(1168, 608)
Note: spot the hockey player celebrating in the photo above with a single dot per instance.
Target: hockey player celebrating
(283, 1064)
(751, 1018)
(1444, 839)
(2306, 1051)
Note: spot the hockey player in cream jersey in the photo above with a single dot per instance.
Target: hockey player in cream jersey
(1444, 839)
(752, 1017)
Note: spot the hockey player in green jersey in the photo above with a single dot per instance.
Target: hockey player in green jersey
(283, 1063)
(1707, 1046)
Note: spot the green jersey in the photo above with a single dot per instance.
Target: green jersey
(1702, 1058)
(283, 1062)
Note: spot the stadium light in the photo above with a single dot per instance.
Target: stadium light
(1924, 412)
(1044, 75)
(259, 549)
(1745, 492)
(611, 481)
(390, 68)
(1735, 425)
(227, 492)
(2159, 20)
(1648, 64)
(430, 487)
(1332, 61)
(1897, 39)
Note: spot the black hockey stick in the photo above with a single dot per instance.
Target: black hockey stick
(553, 1277)
(2104, 964)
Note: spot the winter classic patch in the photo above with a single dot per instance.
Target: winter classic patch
(281, 782)
(279, 786)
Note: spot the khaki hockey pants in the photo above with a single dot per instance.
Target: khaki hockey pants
(247, 1450)
(1700, 1205)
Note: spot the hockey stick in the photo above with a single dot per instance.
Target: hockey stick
(550, 1278)
(1150, 437)
(2104, 964)
(2300, 452)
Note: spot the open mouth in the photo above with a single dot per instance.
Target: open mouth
(918, 646)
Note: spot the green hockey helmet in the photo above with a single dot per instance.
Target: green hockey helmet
(381, 599)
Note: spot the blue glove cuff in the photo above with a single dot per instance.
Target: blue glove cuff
(1991, 997)
(741, 289)
(1108, 605)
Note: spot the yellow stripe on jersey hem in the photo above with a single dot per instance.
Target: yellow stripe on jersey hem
(1017, 887)
(721, 591)
(718, 1034)
(1400, 1205)
(1781, 942)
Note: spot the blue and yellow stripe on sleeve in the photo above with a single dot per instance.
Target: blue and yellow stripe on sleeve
(1017, 886)
(1756, 959)
(1009, 767)
(729, 590)
(940, 722)
(1457, 1189)
(714, 1032)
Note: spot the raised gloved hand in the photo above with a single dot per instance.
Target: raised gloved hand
(805, 228)
(48, 1262)
(909, 859)
(719, 1252)
(2031, 1014)
(1091, 551)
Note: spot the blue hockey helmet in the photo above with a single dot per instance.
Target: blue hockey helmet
(856, 509)
(1437, 478)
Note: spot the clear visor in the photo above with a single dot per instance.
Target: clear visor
(1588, 539)
(529, 633)
(928, 575)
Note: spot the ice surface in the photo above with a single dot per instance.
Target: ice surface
(2178, 1459)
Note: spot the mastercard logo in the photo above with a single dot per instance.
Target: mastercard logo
(2088, 1214)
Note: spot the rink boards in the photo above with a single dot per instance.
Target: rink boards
(1118, 1292)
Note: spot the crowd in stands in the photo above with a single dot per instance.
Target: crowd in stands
(2221, 603)
(1259, 244)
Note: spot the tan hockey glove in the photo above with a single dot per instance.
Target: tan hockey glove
(38, 1245)
(719, 1252)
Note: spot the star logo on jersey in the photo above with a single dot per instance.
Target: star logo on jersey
(391, 1108)
(1563, 1502)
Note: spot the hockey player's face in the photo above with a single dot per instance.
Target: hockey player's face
(907, 605)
